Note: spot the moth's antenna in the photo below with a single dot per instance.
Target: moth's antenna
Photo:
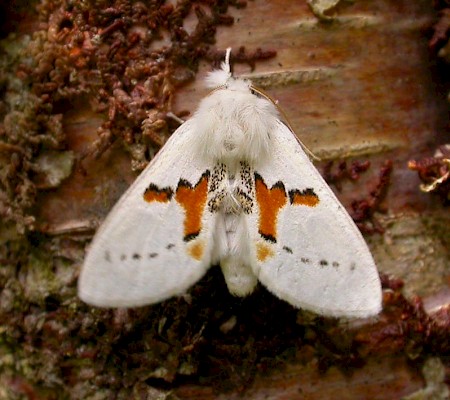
(226, 64)
(286, 120)
(219, 78)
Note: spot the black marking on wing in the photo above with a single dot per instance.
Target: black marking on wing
(188, 238)
(278, 185)
(246, 176)
(217, 176)
(269, 238)
(287, 249)
(245, 201)
(216, 201)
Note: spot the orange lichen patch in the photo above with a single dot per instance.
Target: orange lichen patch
(270, 201)
(305, 197)
(153, 193)
(263, 252)
(196, 250)
(193, 200)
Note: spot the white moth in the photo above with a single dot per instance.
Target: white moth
(232, 186)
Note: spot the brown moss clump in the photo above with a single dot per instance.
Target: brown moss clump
(362, 210)
(434, 172)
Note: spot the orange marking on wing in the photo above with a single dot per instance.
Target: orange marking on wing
(193, 200)
(306, 197)
(270, 201)
(196, 250)
(153, 193)
(263, 252)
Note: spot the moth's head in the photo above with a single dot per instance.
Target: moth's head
(220, 77)
(233, 123)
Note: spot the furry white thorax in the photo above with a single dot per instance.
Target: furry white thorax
(234, 124)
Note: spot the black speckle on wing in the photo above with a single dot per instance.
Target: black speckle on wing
(287, 249)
